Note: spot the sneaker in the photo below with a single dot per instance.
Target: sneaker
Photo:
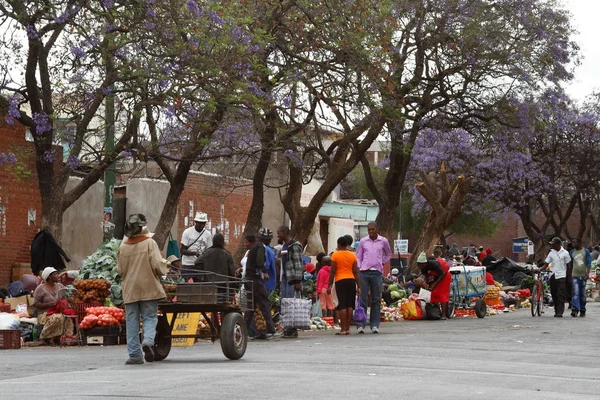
(262, 336)
(361, 329)
(251, 337)
(558, 316)
(274, 335)
(374, 329)
(134, 361)
(574, 312)
(582, 313)
(148, 352)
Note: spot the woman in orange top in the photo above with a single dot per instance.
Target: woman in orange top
(344, 269)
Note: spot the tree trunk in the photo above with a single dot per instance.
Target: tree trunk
(255, 214)
(171, 206)
(445, 201)
(348, 154)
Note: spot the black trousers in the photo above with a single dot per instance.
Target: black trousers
(261, 299)
(559, 294)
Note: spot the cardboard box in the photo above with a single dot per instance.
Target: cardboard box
(15, 301)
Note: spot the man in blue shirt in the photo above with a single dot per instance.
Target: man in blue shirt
(266, 236)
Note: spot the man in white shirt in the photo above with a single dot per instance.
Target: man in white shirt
(194, 241)
(557, 260)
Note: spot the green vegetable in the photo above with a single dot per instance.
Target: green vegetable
(103, 265)
(528, 283)
(393, 287)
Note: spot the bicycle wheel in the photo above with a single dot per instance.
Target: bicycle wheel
(540, 302)
(535, 299)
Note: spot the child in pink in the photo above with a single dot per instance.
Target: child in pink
(322, 283)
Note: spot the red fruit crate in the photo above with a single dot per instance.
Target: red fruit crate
(10, 339)
(81, 307)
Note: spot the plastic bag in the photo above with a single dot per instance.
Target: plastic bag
(334, 297)
(433, 311)
(425, 295)
(9, 321)
(316, 311)
(359, 311)
(295, 313)
(412, 310)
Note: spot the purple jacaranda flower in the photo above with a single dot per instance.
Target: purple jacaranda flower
(78, 52)
(42, 123)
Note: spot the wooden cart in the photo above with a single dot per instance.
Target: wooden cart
(221, 301)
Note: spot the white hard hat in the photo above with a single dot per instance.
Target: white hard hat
(395, 271)
(201, 217)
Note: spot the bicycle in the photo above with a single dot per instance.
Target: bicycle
(538, 291)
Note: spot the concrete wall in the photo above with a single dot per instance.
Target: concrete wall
(338, 227)
(82, 223)
(148, 196)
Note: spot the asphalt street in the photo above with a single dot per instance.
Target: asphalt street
(509, 356)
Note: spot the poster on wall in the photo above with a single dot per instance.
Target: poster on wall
(108, 227)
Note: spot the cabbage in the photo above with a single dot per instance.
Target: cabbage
(395, 295)
(393, 287)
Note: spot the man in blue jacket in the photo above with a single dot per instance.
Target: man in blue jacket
(266, 236)
(582, 263)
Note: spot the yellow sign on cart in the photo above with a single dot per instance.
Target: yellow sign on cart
(185, 324)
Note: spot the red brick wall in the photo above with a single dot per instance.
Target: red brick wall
(213, 195)
(17, 196)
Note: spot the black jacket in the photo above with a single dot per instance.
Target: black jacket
(45, 252)
(217, 260)
(256, 261)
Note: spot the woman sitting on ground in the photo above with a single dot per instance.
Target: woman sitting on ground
(344, 269)
(48, 299)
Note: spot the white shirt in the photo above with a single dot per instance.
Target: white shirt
(243, 262)
(558, 260)
(195, 241)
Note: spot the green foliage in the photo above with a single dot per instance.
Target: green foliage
(103, 265)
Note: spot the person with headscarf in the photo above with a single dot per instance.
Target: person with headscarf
(141, 265)
(437, 280)
(488, 259)
(49, 299)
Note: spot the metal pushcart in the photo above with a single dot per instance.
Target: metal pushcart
(219, 299)
(467, 289)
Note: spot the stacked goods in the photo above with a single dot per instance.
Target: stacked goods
(102, 316)
(493, 292)
(203, 324)
(396, 292)
(259, 320)
(91, 290)
(319, 324)
(492, 296)
(103, 265)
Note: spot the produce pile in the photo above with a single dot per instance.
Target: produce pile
(91, 290)
(318, 324)
(259, 320)
(396, 292)
(103, 265)
(203, 324)
(493, 292)
(102, 316)
(390, 314)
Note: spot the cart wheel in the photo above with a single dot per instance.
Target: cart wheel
(480, 308)
(162, 346)
(234, 336)
(452, 305)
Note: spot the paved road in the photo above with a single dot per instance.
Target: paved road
(509, 356)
